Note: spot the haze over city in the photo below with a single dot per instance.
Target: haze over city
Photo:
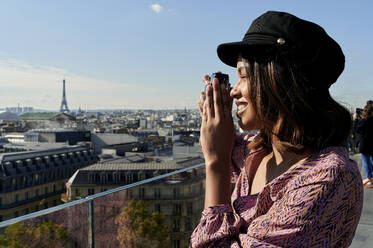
(146, 54)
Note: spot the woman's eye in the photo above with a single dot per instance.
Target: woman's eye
(243, 76)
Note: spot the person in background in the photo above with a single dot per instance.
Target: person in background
(356, 120)
(295, 185)
(355, 137)
(365, 129)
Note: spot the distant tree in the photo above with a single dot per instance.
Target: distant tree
(137, 228)
(44, 235)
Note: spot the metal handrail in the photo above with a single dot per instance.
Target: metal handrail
(92, 197)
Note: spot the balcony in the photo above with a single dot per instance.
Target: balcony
(93, 220)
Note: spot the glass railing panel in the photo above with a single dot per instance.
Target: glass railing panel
(157, 212)
(66, 227)
(160, 213)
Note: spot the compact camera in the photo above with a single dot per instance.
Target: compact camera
(223, 79)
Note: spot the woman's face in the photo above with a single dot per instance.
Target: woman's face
(245, 110)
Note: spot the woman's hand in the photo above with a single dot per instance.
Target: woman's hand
(217, 131)
(216, 142)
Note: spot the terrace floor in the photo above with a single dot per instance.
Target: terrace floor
(364, 233)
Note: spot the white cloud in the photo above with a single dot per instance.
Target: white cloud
(41, 87)
(157, 8)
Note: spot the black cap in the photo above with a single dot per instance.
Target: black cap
(317, 57)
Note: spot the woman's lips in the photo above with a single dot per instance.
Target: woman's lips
(241, 107)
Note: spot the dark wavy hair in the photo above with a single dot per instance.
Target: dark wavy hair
(291, 113)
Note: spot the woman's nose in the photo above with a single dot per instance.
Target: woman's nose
(234, 91)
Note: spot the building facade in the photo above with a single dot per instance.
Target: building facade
(178, 198)
(32, 181)
(71, 137)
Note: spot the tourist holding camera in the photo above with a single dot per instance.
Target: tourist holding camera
(294, 183)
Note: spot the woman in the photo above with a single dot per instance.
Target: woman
(295, 185)
(365, 129)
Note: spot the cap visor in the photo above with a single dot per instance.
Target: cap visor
(228, 53)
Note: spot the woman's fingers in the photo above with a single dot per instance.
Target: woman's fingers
(201, 101)
(227, 102)
(202, 105)
(218, 106)
(209, 102)
(206, 80)
(204, 113)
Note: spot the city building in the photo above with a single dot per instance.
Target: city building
(7, 126)
(178, 198)
(15, 137)
(42, 120)
(72, 137)
(18, 110)
(121, 143)
(8, 116)
(31, 181)
(32, 146)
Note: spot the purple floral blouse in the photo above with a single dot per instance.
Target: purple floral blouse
(314, 204)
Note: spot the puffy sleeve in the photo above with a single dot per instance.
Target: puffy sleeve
(219, 227)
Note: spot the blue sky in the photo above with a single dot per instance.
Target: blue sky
(126, 54)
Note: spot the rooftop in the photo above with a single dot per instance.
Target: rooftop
(113, 138)
(178, 161)
(12, 156)
(36, 146)
(55, 130)
(39, 115)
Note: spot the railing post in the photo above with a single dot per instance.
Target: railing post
(91, 224)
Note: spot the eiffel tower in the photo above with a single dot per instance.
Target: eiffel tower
(64, 107)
